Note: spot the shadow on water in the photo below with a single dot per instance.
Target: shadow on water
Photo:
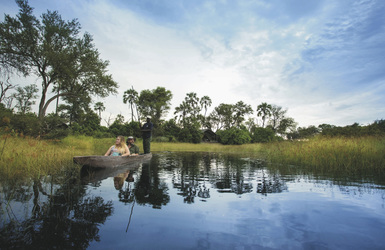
(59, 212)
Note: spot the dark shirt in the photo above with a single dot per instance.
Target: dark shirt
(147, 126)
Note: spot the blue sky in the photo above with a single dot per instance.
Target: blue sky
(321, 60)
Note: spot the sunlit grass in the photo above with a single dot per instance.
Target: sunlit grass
(206, 147)
(25, 156)
(348, 154)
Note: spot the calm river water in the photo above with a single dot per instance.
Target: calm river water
(194, 201)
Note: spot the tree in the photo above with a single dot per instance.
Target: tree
(189, 109)
(277, 114)
(240, 110)
(131, 96)
(24, 98)
(119, 119)
(99, 106)
(264, 110)
(221, 117)
(226, 116)
(52, 50)
(4, 88)
(286, 125)
(205, 102)
(155, 103)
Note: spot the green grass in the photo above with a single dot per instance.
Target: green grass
(346, 154)
(24, 156)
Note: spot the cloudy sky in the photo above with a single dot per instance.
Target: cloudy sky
(322, 60)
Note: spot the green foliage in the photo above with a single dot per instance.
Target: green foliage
(155, 103)
(234, 136)
(126, 129)
(264, 110)
(354, 130)
(25, 98)
(226, 116)
(302, 133)
(54, 127)
(263, 135)
(52, 49)
(190, 133)
(28, 124)
(169, 129)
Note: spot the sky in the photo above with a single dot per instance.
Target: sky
(323, 61)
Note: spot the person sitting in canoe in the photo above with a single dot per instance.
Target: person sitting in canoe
(119, 149)
(134, 150)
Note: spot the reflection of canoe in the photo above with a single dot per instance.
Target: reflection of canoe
(97, 161)
(93, 175)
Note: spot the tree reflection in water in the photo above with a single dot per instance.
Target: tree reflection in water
(150, 189)
(61, 215)
(195, 173)
(270, 183)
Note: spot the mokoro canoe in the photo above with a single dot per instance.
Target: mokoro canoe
(98, 161)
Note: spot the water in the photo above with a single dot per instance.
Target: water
(195, 201)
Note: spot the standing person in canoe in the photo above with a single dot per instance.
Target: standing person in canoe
(134, 150)
(146, 135)
(119, 149)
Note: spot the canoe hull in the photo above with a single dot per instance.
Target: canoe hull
(98, 161)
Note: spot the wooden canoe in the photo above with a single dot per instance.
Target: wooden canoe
(98, 161)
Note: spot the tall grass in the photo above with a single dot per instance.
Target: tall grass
(206, 147)
(347, 154)
(29, 157)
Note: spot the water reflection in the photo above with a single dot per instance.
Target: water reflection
(270, 183)
(61, 215)
(192, 199)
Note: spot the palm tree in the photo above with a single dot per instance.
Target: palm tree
(131, 96)
(205, 103)
(99, 106)
(264, 110)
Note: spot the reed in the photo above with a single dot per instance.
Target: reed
(29, 157)
(348, 154)
(206, 147)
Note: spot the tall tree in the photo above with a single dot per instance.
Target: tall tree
(189, 109)
(99, 106)
(205, 102)
(277, 115)
(155, 103)
(286, 125)
(25, 98)
(226, 116)
(240, 110)
(52, 50)
(131, 96)
(264, 110)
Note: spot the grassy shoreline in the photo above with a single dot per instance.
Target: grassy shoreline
(25, 156)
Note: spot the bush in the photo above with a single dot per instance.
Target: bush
(234, 136)
(263, 134)
(190, 133)
(28, 124)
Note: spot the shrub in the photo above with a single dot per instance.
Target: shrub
(234, 136)
(263, 135)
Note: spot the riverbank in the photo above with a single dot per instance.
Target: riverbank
(25, 156)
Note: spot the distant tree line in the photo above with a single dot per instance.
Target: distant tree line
(69, 67)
